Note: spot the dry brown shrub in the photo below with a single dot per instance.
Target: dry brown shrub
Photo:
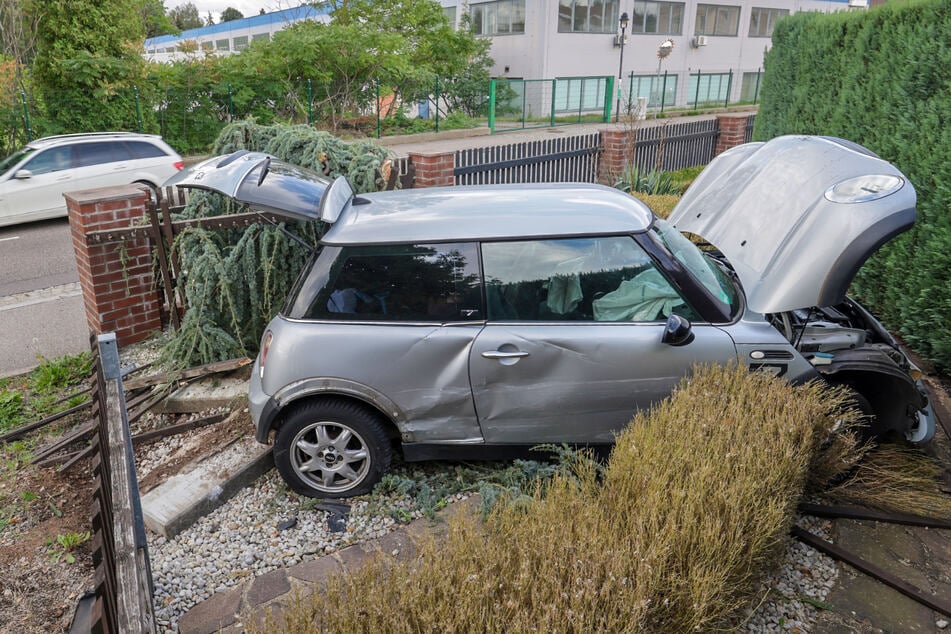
(693, 506)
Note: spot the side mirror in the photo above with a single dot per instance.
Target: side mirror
(678, 331)
(23, 174)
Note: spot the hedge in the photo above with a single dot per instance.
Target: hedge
(880, 78)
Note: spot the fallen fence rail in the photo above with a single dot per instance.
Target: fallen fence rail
(123, 577)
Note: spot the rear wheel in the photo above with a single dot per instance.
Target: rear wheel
(332, 449)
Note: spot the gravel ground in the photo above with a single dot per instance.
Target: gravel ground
(267, 527)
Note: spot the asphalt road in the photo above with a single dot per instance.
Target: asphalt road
(41, 305)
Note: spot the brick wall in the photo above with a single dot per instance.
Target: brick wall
(115, 275)
(732, 131)
(433, 169)
(616, 153)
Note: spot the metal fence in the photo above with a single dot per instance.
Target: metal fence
(552, 160)
(674, 146)
(520, 104)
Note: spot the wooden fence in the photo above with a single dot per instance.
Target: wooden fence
(566, 159)
(123, 577)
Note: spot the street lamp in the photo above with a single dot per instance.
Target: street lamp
(620, 68)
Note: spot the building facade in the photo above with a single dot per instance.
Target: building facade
(717, 52)
(231, 37)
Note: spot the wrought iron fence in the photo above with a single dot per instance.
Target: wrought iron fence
(572, 158)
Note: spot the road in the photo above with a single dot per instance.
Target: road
(41, 305)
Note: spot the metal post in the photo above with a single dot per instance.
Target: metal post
(630, 91)
(554, 92)
(696, 98)
(620, 69)
(310, 100)
(759, 74)
(436, 103)
(524, 97)
(26, 118)
(138, 108)
(663, 93)
(230, 105)
(492, 88)
(608, 92)
(729, 87)
(581, 101)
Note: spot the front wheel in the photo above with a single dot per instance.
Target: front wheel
(332, 449)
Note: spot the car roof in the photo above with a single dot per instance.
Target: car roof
(487, 212)
(89, 136)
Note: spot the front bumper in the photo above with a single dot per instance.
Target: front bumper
(927, 420)
(262, 407)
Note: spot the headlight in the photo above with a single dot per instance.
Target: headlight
(863, 189)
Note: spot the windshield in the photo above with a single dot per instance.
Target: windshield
(15, 158)
(703, 269)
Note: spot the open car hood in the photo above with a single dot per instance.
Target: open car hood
(268, 184)
(797, 216)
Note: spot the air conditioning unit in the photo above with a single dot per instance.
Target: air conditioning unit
(620, 40)
(700, 40)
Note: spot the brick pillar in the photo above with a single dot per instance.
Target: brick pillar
(115, 275)
(732, 131)
(433, 169)
(617, 149)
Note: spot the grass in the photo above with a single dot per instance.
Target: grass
(42, 392)
(692, 506)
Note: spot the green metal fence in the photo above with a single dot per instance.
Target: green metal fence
(519, 104)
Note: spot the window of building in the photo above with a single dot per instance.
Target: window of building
(666, 18)
(653, 88)
(709, 88)
(450, 15)
(762, 21)
(579, 94)
(751, 86)
(207, 46)
(260, 36)
(240, 42)
(502, 17)
(588, 16)
(223, 45)
(717, 19)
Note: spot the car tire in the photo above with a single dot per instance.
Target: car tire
(332, 449)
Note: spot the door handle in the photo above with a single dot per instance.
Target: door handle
(498, 354)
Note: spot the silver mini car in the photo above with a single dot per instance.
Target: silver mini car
(476, 321)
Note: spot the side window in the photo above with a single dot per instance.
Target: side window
(578, 279)
(51, 160)
(437, 282)
(88, 154)
(143, 150)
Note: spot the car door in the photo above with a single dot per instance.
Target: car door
(35, 190)
(102, 164)
(573, 343)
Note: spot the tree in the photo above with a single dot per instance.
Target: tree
(230, 14)
(209, 19)
(87, 59)
(155, 20)
(186, 17)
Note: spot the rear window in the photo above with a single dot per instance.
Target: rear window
(88, 154)
(419, 282)
(143, 150)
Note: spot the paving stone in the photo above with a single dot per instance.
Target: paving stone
(353, 556)
(397, 544)
(267, 587)
(208, 617)
(317, 570)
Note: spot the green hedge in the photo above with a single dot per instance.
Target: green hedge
(880, 78)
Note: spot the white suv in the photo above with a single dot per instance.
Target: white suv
(34, 179)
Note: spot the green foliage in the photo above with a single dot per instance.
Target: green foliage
(61, 549)
(11, 409)
(239, 278)
(53, 374)
(185, 16)
(87, 55)
(879, 78)
(653, 182)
